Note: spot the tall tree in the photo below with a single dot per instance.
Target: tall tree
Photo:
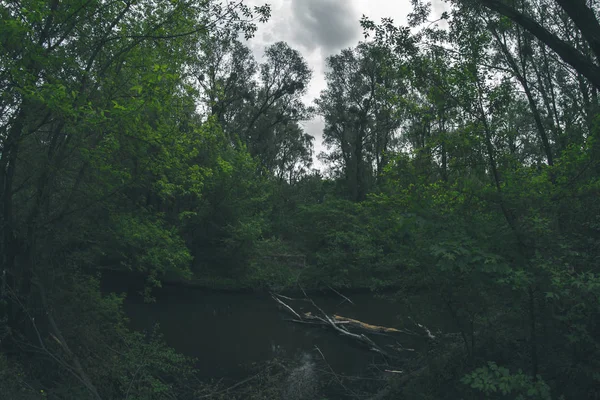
(520, 154)
(258, 105)
(582, 16)
(360, 117)
(98, 146)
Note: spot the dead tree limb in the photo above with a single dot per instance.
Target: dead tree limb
(341, 295)
(365, 326)
(325, 319)
(77, 368)
(334, 374)
(424, 328)
(290, 309)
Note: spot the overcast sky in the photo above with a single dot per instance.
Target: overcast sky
(320, 28)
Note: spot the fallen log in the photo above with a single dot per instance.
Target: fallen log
(339, 320)
(364, 325)
(326, 320)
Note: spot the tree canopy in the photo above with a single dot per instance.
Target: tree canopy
(462, 174)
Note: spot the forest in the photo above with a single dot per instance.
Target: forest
(461, 174)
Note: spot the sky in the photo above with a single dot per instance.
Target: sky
(320, 28)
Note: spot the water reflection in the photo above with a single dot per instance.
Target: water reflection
(229, 332)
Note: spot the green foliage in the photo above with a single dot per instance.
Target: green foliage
(336, 242)
(223, 226)
(275, 265)
(143, 136)
(102, 156)
(497, 382)
(148, 246)
(14, 383)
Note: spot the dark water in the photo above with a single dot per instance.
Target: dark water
(228, 332)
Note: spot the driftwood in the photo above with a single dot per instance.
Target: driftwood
(342, 326)
(365, 326)
(337, 323)
(290, 309)
(348, 327)
(341, 295)
(310, 318)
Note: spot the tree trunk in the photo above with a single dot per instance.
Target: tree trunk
(522, 78)
(585, 19)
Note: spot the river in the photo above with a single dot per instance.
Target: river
(230, 331)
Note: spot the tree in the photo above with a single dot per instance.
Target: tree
(502, 221)
(580, 14)
(360, 115)
(258, 105)
(98, 143)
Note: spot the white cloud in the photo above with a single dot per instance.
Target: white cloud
(326, 24)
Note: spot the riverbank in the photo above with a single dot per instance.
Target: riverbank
(128, 280)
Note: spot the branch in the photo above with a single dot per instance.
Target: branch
(585, 19)
(568, 53)
(59, 338)
(361, 338)
(77, 373)
(290, 309)
(341, 295)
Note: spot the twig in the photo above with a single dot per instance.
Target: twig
(133, 380)
(321, 353)
(341, 295)
(305, 322)
(83, 377)
(402, 348)
(240, 383)
(286, 306)
(288, 298)
(45, 350)
(337, 376)
(427, 331)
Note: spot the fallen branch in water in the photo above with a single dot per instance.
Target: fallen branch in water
(341, 295)
(363, 325)
(427, 331)
(326, 320)
(288, 298)
(394, 353)
(230, 388)
(290, 309)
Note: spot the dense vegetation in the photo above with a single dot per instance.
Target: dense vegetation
(463, 170)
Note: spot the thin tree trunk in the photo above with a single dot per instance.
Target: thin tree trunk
(533, 334)
(585, 19)
(565, 50)
(522, 78)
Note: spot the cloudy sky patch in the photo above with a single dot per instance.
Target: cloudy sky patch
(327, 24)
